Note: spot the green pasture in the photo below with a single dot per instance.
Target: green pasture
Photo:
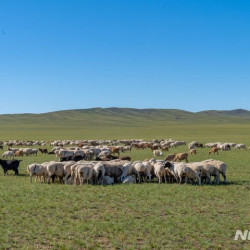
(140, 216)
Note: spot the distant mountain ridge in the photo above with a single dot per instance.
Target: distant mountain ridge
(127, 117)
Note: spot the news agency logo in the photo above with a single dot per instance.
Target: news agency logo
(245, 235)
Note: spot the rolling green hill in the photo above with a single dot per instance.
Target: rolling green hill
(122, 123)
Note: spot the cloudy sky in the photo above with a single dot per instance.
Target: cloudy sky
(191, 55)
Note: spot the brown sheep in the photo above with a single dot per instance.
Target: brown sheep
(170, 157)
(115, 150)
(165, 148)
(19, 153)
(214, 150)
(181, 156)
(193, 151)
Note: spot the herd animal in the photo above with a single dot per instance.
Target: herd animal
(118, 171)
(99, 161)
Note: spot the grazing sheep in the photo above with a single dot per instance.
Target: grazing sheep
(37, 170)
(34, 151)
(143, 168)
(128, 169)
(165, 148)
(214, 150)
(240, 146)
(221, 166)
(8, 154)
(99, 173)
(180, 170)
(170, 157)
(193, 151)
(157, 153)
(181, 157)
(85, 172)
(159, 171)
(27, 151)
(113, 169)
(55, 169)
(19, 153)
(67, 170)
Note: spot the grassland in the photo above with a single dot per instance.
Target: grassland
(162, 216)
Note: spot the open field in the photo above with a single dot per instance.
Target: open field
(169, 216)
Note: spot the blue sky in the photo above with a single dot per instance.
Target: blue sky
(184, 54)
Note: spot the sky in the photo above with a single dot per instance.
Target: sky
(186, 54)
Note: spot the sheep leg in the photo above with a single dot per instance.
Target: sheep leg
(186, 178)
(180, 177)
(159, 178)
(31, 178)
(165, 179)
(225, 178)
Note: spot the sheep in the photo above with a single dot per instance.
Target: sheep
(55, 169)
(214, 150)
(193, 151)
(181, 156)
(211, 170)
(159, 171)
(129, 180)
(19, 153)
(157, 153)
(67, 169)
(126, 148)
(198, 168)
(64, 153)
(73, 170)
(37, 170)
(143, 168)
(170, 157)
(221, 166)
(85, 172)
(14, 149)
(27, 151)
(8, 154)
(180, 170)
(99, 173)
(107, 180)
(127, 170)
(34, 151)
(239, 146)
(113, 169)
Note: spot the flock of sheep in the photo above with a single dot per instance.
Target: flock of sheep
(119, 171)
(99, 162)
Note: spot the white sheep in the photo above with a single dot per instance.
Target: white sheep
(159, 171)
(84, 172)
(38, 170)
(8, 154)
(157, 153)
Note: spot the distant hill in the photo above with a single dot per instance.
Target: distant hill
(126, 117)
(123, 122)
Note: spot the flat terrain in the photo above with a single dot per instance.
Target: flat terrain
(169, 216)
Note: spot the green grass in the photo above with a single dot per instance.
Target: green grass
(162, 216)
